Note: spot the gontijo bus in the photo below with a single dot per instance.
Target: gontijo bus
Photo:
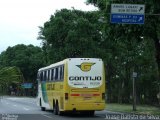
(74, 84)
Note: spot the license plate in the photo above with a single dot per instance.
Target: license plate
(87, 98)
(86, 95)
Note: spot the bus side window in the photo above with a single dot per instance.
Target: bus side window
(56, 74)
(44, 76)
(62, 75)
(52, 74)
(61, 72)
(48, 75)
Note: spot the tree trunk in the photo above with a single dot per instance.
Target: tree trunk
(108, 78)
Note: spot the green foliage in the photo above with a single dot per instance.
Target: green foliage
(127, 108)
(71, 33)
(10, 75)
(125, 48)
(132, 48)
(27, 58)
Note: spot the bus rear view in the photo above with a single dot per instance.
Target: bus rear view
(85, 85)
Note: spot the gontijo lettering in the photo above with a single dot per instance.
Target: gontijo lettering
(86, 78)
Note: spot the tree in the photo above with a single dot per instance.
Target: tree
(9, 75)
(71, 33)
(27, 58)
(125, 48)
(130, 52)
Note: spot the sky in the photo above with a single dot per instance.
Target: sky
(19, 19)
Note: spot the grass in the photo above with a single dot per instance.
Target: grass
(127, 108)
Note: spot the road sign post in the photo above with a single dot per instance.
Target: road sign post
(134, 91)
(127, 13)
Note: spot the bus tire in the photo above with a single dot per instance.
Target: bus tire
(55, 109)
(88, 113)
(59, 112)
(91, 113)
(40, 103)
(43, 108)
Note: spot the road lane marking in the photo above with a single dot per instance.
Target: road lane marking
(47, 116)
(6, 102)
(25, 108)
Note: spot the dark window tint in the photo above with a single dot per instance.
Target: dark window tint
(48, 75)
(52, 74)
(44, 75)
(56, 74)
(61, 72)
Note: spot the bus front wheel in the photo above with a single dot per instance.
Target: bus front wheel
(40, 103)
(43, 108)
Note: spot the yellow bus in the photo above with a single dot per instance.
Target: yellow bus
(74, 84)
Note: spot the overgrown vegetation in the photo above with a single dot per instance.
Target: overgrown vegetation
(27, 60)
(9, 76)
(124, 48)
(127, 108)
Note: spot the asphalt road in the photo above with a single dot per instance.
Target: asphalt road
(23, 108)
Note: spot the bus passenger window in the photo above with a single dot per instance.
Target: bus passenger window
(44, 76)
(56, 74)
(59, 73)
(62, 77)
(48, 75)
(52, 74)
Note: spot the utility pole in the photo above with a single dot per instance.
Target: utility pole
(134, 91)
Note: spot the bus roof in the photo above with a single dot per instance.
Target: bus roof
(65, 60)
